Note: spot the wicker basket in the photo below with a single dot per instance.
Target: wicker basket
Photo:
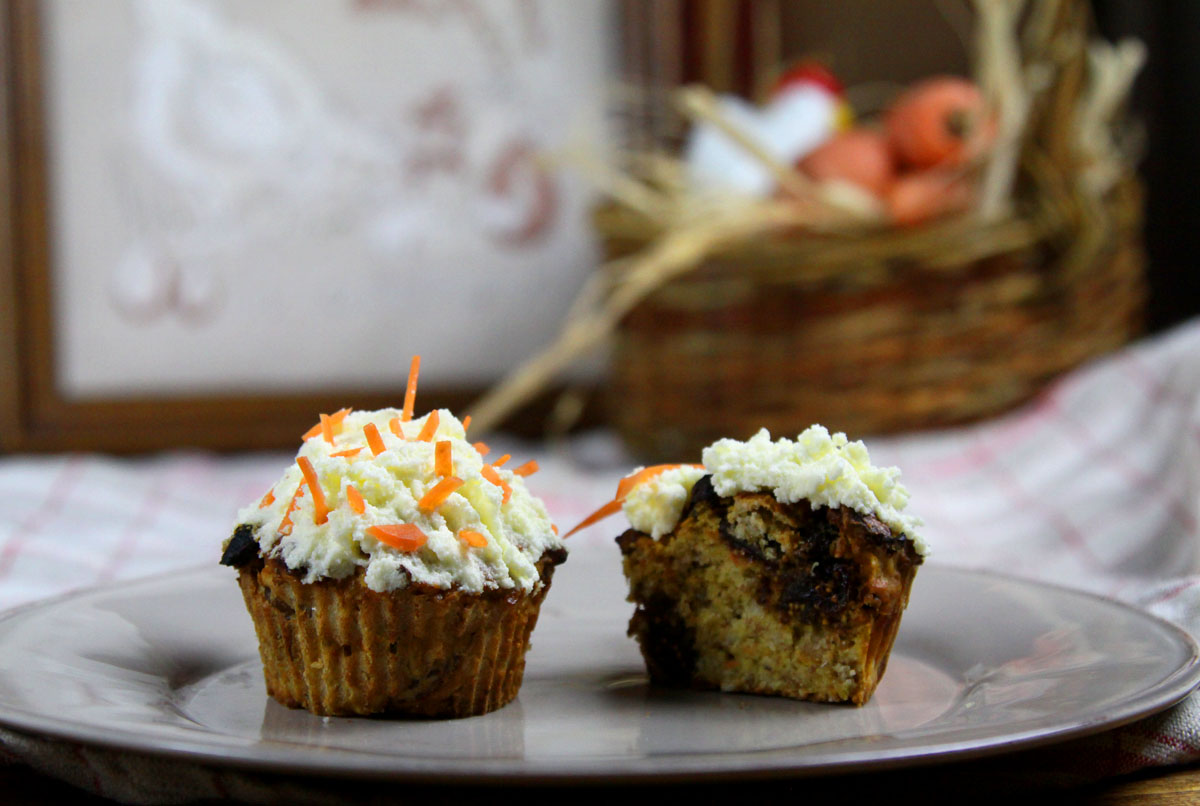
(884, 332)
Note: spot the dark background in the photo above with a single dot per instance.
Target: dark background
(1167, 100)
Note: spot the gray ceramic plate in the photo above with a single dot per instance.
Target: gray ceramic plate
(169, 666)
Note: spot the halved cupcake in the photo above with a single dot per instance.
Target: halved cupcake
(775, 567)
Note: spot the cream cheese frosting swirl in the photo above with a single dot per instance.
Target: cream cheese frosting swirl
(390, 485)
(822, 468)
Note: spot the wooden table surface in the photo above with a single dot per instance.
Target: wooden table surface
(998, 779)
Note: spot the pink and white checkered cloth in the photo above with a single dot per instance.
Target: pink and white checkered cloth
(1095, 485)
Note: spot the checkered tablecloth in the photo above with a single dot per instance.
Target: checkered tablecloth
(1095, 485)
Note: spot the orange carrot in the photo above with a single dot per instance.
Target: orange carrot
(439, 493)
(285, 525)
(327, 428)
(373, 439)
(554, 528)
(645, 474)
(410, 392)
(599, 515)
(355, 499)
(347, 453)
(267, 499)
(527, 469)
(430, 428)
(472, 538)
(489, 473)
(402, 536)
(337, 417)
(482, 447)
(623, 488)
(466, 423)
(320, 510)
(443, 459)
(312, 432)
(502, 460)
(394, 424)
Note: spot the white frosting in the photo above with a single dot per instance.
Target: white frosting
(826, 470)
(518, 532)
(654, 506)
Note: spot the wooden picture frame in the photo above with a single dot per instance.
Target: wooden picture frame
(35, 415)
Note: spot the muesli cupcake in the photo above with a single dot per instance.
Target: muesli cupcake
(775, 567)
(392, 569)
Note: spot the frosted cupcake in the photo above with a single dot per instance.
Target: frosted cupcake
(392, 569)
(775, 567)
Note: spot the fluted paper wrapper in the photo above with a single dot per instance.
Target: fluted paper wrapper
(335, 647)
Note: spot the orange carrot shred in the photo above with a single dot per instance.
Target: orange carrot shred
(337, 417)
(626, 484)
(410, 391)
(285, 525)
(355, 499)
(527, 469)
(347, 453)
(502, 460)
(643, 475)
(439, 493)
(472, 538)
(327, 428)
(320, 510)
(394, 424)
(373, 439)
(466, 423)
(489, 473)
(430, 428)
(443, 459)
(267, 499)
(312, 432)
(554, 528)
(599, 515)
(482, 447)
(402, 536)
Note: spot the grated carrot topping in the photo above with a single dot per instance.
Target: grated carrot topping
(527, 469)
(489, 473)
(327, 428)
(320, 510)
(472, 538)
(430, 428)
(623, 487)
(267, 499)
(347, 453)
(645, 474)
(599, 515)
(410, 391)
(312, 432)
(355, 499)
(285, 525)
(466, 424)
(482, 447)
(336, 419)
(554, 528)
(502, 460)
(443, 459)
(438, 494)
(373, 439)
(394, 425)
(402, 536)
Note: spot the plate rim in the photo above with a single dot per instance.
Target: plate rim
(276, 758)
